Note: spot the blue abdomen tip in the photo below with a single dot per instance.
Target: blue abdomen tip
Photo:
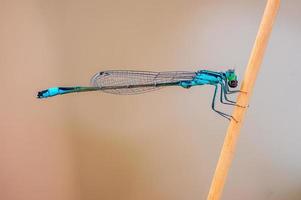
(48, 93)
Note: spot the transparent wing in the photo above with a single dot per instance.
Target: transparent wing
(136, 82)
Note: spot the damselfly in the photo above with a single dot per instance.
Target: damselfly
(124, 82)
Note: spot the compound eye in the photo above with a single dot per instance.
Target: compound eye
(233, 83)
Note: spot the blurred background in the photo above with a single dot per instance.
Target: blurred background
(159, 145)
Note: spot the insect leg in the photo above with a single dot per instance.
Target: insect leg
(223, 95)
(227, 116)
(224, 92)
(233, 103)
(226, 97)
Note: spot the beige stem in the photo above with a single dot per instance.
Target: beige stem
(254, 64)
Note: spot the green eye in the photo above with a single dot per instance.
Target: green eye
(232, 77)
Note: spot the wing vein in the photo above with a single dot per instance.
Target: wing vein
(135, 82)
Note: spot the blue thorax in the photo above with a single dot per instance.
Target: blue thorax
(203, 77)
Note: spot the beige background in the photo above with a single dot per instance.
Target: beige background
(160, 145)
